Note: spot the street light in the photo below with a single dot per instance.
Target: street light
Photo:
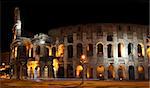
(83, 61)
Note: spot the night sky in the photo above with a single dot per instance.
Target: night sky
(38, 16)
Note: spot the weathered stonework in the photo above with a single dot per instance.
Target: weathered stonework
(107, 46)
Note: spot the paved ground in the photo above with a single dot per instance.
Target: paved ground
(72, 84)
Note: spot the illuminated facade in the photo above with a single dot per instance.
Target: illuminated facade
(112, 51)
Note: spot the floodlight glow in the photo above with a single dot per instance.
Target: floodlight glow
(42, 42)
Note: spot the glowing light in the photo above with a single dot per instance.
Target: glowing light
(18, 24)
(33, 65)
(83, 56)
(42, 42)
(60, 51)
(38, 72)
(56, 66)
(46, 72)
(143, 50)
(78, 70)
(30, 52)
(100, 75)
(3, 64)
(148, 53)
(122, 50)
(16, 52)
(88, 74)
(50, 52)
(140, 69)
(100, 69)
(120, 79)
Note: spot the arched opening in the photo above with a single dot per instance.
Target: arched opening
(130, 48)
(31, 52)
(60, 51)
(109, 51)
(69, 71)
(70, 51)
(60, 73)
(79, 50)
(45, 71)
(79, 70)
(47, 52)
(37, 50)
(109, 37)
(99, 50)
(54, 51)
(148, 54)
(100, 72)
(141, 72)
(140, 50)
(121, 72)
(111, 73)
(90, 50)
(91, 72)
(55, 67)
(131, 73)
(120, 50)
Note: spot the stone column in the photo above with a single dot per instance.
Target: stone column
(105, 50)
(65, 57)
(95, 59)
(74, 58)
(135, 45)
(136, 72)
(14, 71)
(65, 64)
(116, 71)
(95, 72)
(106, 71)
(84, 49)
(145, 57)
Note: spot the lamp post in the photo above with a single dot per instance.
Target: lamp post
(83, 61)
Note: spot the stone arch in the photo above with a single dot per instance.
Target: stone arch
(141, 72)
(121, 50)
(100, 71)
(47, 52)
(89, 50)
(130, 48)
(111, 71)
(60, 51)
(54, 51)
(69, 70)
(131, 73)
(99, 49)
(38, 49)
(79, 50)
(121, 72)
(140, 50)
(60, 73)
(148, 54)
(109, 51)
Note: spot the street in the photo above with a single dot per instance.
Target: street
(72, 84)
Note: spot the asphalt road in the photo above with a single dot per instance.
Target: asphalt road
(72, 84)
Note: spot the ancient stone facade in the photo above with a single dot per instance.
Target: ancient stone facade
(112, 51)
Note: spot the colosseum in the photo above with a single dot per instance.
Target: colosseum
(115, 51)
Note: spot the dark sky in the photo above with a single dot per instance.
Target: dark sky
(38, 16)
